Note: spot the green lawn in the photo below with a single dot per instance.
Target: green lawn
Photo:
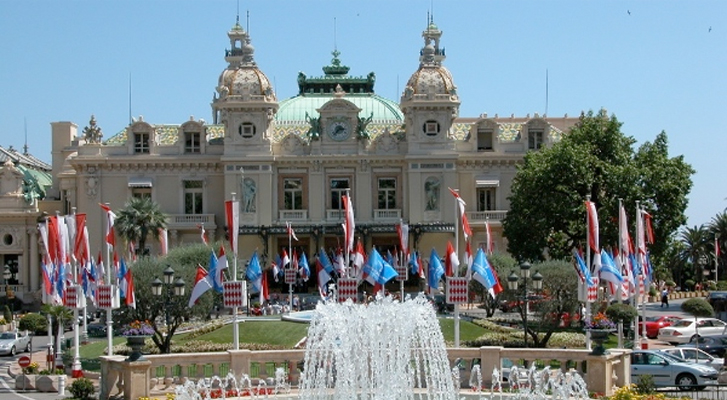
(277, 333)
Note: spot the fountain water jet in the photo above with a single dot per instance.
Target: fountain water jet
(382, 350)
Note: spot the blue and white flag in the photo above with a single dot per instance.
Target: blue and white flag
(483, 273)
(436, 270)
(609, 271)
(378, 270)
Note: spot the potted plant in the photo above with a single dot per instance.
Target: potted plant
(599, 326)
(136, 333)
(26, 381)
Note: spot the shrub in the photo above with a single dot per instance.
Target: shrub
(698, 307)
(689, 284)
(35, 323)
(645, 385)
(621, 313)
(82, 389)
(7, 315)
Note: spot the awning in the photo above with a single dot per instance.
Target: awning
(140, 182)
(487, 181)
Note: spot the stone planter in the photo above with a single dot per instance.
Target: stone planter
(25, 382)
(599, 336)
(47, 383)
(136, 343)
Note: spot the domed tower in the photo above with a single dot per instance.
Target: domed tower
(429, 101)
(244, 100)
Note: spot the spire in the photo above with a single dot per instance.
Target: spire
(431, 54)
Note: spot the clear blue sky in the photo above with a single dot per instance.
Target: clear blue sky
(656, 65)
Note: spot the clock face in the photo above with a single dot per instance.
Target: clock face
(339, 130)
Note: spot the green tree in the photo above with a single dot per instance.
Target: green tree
(60, 315)
(694, 251)
(594, 158)
(718, 230)
(560, 299)
(140, 218)
(156, 309)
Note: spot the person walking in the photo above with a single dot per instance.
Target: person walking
(664, 298)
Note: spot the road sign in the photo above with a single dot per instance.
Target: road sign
(24, 361)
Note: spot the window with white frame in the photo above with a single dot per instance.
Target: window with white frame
(339, 187)
(141, 192)
(486, 199)
(192, 142)
(193, 194)
(535, 139)
(293, 193)
(387, 193)
(141, 142)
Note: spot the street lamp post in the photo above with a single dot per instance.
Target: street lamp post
(537, 283)
(168, 288)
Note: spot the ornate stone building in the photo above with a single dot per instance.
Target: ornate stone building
(292, 160)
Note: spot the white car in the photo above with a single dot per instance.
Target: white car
(669, 371)
(696, 355)
(684, 330)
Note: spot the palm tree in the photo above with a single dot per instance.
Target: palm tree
(139, 218)
(718, 229)
(696, 248)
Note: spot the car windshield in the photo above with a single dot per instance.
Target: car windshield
(7, 335)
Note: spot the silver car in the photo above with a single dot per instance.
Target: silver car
(13, 342)
(669, 371)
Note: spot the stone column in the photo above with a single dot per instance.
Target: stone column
(136, 379)
(489, 360)
(240, 361)
(608, 372)
(33, 260)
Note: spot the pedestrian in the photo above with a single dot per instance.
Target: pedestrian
(664, 298)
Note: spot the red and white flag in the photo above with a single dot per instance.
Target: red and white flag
(465, 224)
(451, 262)
(202, 284)
(203, 234)
(163, 241)
(291, 232)
(593, 230)
(359, 259)
(130, 294)
(232, 216)
(468, 259)
(285, 260)
(110, 218)
(349, 225)
(403, 231)
(264, 292)
(490, 245)
(623, 231)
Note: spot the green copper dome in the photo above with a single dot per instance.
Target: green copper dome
(295, 108)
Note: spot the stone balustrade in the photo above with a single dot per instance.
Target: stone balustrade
(160, 373)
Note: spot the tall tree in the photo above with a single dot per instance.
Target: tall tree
(167, 312)
(140, 218)
(547, 213)
(695, 249)
(718, 231)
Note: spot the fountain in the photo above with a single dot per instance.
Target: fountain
(384, 350)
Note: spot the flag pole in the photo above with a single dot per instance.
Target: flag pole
(290, 265)
(639, 237)
(236, 321)
(456, 273)
(588, 264)
(114, 288)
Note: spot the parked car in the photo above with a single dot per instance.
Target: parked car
(715, 345)
(652, 324)
(694, 355)
(12, 342)
(717, 299)
(684, 330)
(669, 371)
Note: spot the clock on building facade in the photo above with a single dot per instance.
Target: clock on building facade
(339, 129)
